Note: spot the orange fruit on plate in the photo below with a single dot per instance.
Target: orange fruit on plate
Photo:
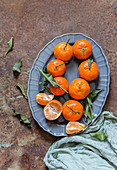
(63, 51)
(56, 68)
(88, 70)
(43, 98)
(72, 110)
(74, 127)
(53, 110)
(79, 89)
(57, 90)
(82, 49)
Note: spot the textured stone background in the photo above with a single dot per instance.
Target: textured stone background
(33, 23)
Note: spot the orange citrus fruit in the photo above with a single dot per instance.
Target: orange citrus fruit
(57, 90)
(53, 110)
(79, 89)
(87, 71)
(63, 51)
(74, 127)
(43, 98)
(82, 49)
(72, 110)
(56, 67)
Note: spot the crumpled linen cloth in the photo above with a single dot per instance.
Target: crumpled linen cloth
(84, 152)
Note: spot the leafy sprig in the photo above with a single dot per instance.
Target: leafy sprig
(88, 113)
(50, 79)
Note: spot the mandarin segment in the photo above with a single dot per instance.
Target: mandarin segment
(63, 52)
(53, 110)
(79, 89)
(54, 69)
(57, 90)
(82, 49)
(43, 98)
(74, 127)
(88, 73)
(72, 110)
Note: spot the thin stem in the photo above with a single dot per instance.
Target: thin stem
(87, 68)
(62, 88)
(82, 50)
(73, 110)
(79, 85)
(48, 89)
(90, 108)
(61, 64)
(66, 44)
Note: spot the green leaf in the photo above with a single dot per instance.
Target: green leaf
(10, 46)
(17, 66)
(94, 93)
(50, 79)
(99, 135)
(22, 90)
(22, 118)
(90, 62)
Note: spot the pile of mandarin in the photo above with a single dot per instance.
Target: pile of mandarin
(79, 88)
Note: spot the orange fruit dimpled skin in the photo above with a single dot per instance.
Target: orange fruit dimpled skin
(61, 53)
(68, 112)
(56, 71)
(43, 98)
(82, 49)
(74, 127)
(88, 74)
(53, 110)
(57, 90)
(79, 89)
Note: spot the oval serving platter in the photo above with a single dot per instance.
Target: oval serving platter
(58, 127)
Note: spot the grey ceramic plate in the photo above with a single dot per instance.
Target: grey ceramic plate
(57, 127)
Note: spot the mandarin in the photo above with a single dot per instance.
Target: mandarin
(57, 90)
(79, 89)
(88, 70)
(82, 49)
(72, 110)
(43, 98)
(63, 51)
(56, 67)
(74, 127)
(53, 110)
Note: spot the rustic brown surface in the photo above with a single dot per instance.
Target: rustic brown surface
(33, 24)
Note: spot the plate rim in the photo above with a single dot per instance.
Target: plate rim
(66, 34)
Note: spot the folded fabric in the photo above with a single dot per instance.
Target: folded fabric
(84, 152)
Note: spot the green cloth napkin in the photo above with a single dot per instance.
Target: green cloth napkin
(84, 152)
